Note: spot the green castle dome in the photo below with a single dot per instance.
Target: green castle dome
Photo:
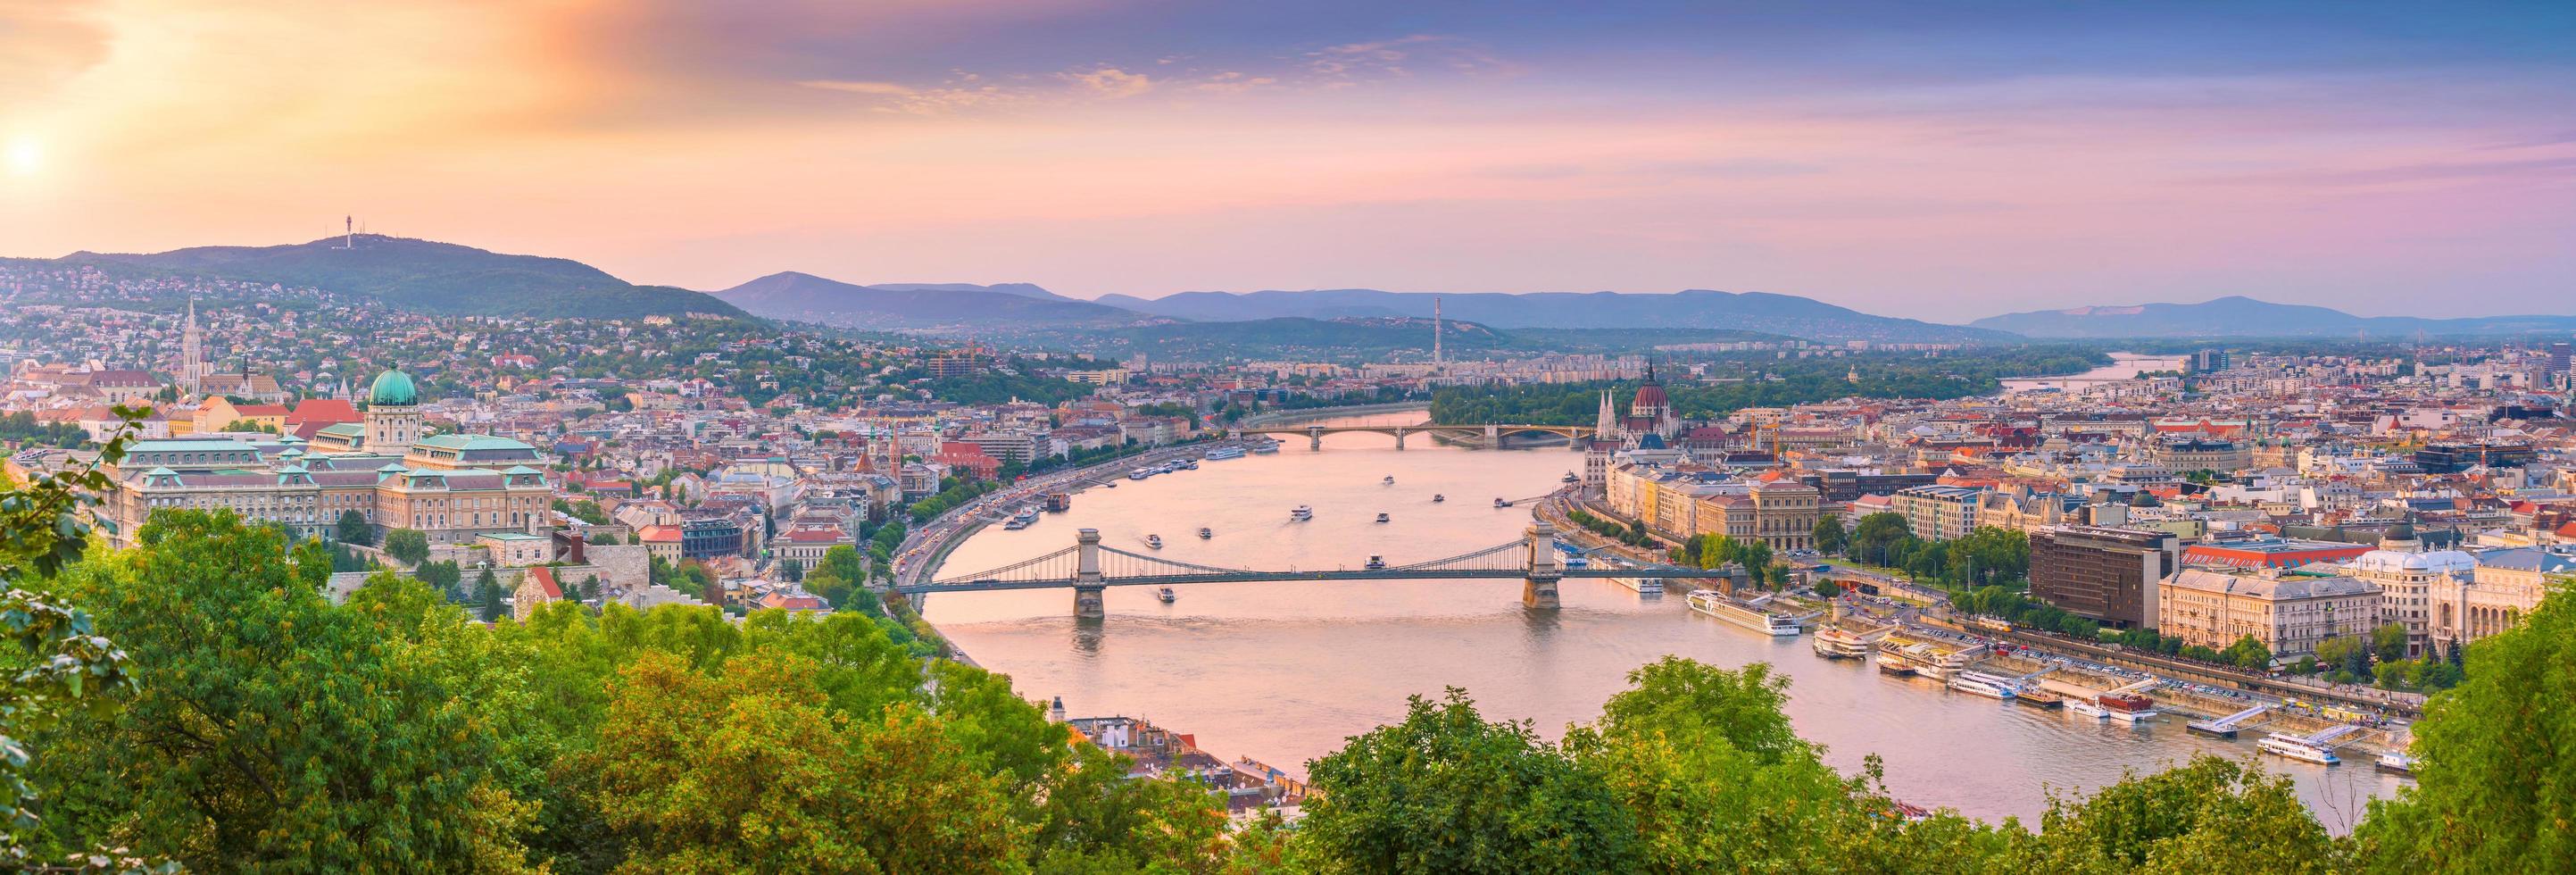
(393, 387)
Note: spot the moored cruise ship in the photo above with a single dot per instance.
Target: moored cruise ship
(2397, 761)
(1987, 685)
(2298, 748)
(1927, 660)
(1225, 453)
(1026, 517)
(2127, 707)
(1836, 642)
(1750, 616)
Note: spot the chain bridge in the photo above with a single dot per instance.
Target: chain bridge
(1490, 435)
(1087, 568)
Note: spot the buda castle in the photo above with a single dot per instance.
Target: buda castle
(456, 488)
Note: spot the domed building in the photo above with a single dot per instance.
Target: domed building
(2407, 575)
(457, 489)
(1651, 413)
(393, 414)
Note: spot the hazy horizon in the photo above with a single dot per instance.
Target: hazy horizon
(1944, 163)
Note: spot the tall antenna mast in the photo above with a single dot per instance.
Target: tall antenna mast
(348, 232)
(1436, 360)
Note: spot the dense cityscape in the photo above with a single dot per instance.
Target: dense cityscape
(2298, 544)
(1332, 438)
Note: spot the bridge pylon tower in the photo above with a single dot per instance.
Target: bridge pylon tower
(1538, 591)
(1087, 584)
(1315, 437)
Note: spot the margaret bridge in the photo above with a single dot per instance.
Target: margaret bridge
(1088, 568)
(1491, 435)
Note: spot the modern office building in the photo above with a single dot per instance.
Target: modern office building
(2110, 575)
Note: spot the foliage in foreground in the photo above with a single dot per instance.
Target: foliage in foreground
(269, 730)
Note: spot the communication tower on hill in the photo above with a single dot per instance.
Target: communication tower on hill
(1436, 361)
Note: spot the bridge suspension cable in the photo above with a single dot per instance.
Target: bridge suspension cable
(1500, 557)
(1059, 565)
(1116, 563)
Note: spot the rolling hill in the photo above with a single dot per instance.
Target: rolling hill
(1364, 338)
(792, 295)
(1025, 290)
(428, 277)
(1697, 308)
(2238, 316)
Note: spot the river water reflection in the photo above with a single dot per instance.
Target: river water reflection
(1283, 672)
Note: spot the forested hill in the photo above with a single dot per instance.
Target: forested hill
(1735, 384)
(1015, 307)
(1353, 339)
(428, 277)
(1789, 315)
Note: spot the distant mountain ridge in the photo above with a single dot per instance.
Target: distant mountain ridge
(1694, 308)
(2240, 316)
(427, 276)
(793, 295)
(1025, 290)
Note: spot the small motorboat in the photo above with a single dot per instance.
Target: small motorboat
(1301, 513)
(1501, 503)
(1390, 480)
(1437, 498)
(1570, 478)
(1166, 596)
(1376, 562)
(1206, 533)
(1381, 517)
(1154, 541)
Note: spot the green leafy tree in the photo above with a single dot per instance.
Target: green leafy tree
(2209, 815)
(2347, 653)
(1448, 791)
(354, 529)
(2247, 654)
(1829, 536)
(408, 546)
(66, 669)
(443, 577)
(1874, 537)
(276, 728)
(1705, 762)
(488, 596)
(841, 578)
(752, 770)
(2388, 642)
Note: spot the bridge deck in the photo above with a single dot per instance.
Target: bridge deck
(999, 585)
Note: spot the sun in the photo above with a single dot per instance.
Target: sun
(26, 156)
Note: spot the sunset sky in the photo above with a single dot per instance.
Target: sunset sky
(1940, 160)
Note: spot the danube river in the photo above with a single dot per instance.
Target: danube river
(2123, 366)
(1283, 672)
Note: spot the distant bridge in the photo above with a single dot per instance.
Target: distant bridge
(1492, 435)
(1087, 568)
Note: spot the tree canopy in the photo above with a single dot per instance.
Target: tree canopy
(266, 729)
